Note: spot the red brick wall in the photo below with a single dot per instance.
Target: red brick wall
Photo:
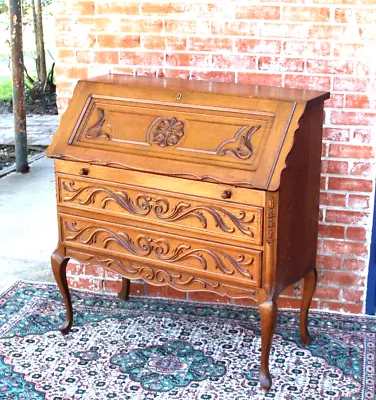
(317, 44)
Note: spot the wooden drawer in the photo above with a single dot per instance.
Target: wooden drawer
(178, 253)
(239, 195)
(190, 214)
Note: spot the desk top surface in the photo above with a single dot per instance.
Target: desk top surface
(216, 88)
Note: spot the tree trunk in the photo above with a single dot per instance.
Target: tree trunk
(42, 76)
(36, 35)
(19, 112)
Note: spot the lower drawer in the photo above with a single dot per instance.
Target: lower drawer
(199, 258)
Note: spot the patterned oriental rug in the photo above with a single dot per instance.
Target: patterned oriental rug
(161, 349)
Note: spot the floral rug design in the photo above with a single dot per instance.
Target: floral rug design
(154, 349)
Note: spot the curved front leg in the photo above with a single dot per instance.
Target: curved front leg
(310, 281)
(59, 267)
(268, 315)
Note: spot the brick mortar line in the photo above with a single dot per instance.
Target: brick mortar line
(235, 37)
(213, 17)
(324, 207)
(208, 53)
(241, 70)
(344, 239)
(344, 208)
(227, 52)
(370, 160)
(261, 23)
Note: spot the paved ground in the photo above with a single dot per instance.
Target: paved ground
(28, 224)
(28, 229)
(40, 129)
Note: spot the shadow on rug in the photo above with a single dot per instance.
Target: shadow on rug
(162, 349)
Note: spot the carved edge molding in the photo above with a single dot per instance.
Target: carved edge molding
(270, 220)
(287, 127)
(204, 178)
(160, 277)
(145, 204)
(145, 246)
(98, 130)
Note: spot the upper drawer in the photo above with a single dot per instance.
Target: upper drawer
(218, 138)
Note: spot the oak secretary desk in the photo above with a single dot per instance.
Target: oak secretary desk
(198, 185)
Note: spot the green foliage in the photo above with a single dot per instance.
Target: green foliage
(6, 91)
(3, 7)
(26, 9)
(5, 88)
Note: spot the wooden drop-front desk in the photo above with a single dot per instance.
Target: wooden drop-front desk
(198, 185)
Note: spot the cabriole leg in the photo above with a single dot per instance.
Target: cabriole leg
(59, 266)
(310, 281)
(268, 314)
(125, 288)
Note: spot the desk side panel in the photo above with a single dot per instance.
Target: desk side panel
(299, 194)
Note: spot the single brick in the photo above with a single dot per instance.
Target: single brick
(332, 199)
(308, 14)
(307, 82)
(356, 233)
(260, 79)
(359, 202)
(346, 217)
(350, 185)
(280, 64)
(332, 231)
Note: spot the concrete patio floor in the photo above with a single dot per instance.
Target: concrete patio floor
(40, 129)
(28, 224)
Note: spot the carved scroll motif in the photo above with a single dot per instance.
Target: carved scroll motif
(146, 246)
(165, 131)
(157, 276)
(101, 129)
(244, 149)
(271, 221)
(145, 204)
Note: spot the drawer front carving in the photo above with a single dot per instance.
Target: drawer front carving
(157, 276)
(216, 218)
(195, 134)
(180, 253)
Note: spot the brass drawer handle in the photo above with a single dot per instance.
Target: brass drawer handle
(84, 171)
(227, 194)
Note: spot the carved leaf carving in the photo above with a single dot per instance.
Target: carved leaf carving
(101, 129)
(244, 149)
(145, 204)
(145, 246)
